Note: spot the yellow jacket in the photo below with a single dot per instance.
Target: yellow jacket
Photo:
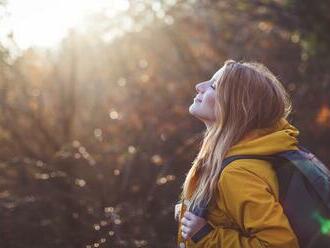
(246, 211)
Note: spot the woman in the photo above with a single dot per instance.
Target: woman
(244, 108)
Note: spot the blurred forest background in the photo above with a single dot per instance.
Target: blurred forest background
(95, 136)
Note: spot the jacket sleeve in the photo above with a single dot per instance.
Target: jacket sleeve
(249, 201)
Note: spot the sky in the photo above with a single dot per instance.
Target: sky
(44, 23)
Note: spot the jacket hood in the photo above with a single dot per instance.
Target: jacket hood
(281, 137)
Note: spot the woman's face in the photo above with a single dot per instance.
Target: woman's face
(203, 105)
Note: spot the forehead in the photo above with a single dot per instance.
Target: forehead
(218, 74)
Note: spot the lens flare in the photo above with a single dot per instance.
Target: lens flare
(324, 223)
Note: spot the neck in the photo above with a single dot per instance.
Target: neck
(208, 124)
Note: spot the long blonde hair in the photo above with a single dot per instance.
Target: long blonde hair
(248, 97)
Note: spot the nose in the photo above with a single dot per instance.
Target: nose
(199, 87)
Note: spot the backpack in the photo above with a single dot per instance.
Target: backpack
(304, 193)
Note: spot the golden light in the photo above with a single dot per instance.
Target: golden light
(80, 182)
(323, 116)
(131, 149)
(157, 159)
(97, 227)
(44, 23)
(109, 209)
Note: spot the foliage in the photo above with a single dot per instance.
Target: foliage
(96, 137)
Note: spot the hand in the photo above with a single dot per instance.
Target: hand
(191, 224)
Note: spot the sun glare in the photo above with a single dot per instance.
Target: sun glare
(44, 23)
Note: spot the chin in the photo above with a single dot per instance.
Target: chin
(197, 113)
(194, 112)
(192, 109)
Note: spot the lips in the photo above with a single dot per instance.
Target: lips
(198, 100)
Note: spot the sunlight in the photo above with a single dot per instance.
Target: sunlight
(44, 23)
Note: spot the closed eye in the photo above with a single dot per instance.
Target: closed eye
(213, 84)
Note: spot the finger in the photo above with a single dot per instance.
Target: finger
(184, 229)
(177, 211)
(184, 236)
(189, 215)
(185, 232)
(185, 221)
(176, 216)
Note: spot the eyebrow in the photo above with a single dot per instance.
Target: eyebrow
(213, 80)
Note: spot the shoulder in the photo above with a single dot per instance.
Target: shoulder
(249, 172)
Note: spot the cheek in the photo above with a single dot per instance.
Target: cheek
(210, 100)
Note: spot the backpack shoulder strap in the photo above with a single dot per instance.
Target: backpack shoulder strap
(230, 159)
